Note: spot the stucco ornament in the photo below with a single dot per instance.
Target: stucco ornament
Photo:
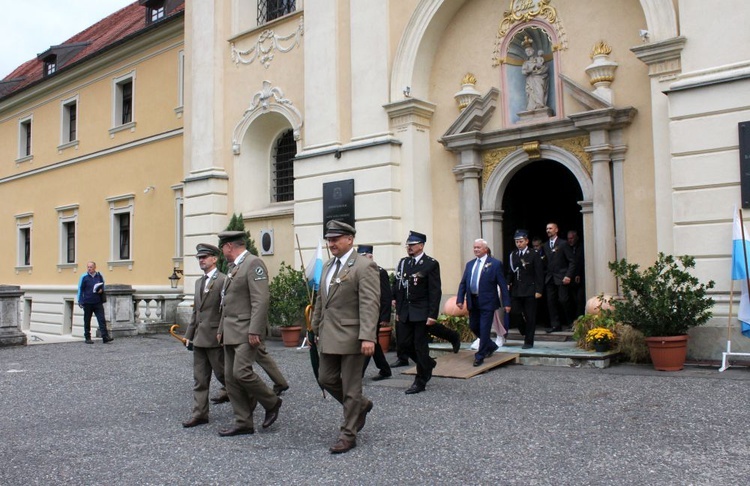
(264, 47)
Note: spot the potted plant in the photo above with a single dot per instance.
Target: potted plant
(289, 298)
(663, 301)
(601, 338)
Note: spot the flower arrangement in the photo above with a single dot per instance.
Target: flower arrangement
(600, 336)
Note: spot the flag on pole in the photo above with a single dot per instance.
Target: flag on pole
(314, 269)
(740, 251)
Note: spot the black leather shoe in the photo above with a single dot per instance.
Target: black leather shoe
(278, 390)
(415, 388)
(398, 363)
(89, 341)
(232, 431)
(272, 415)
(527, 346)
(223, 398)
(193, 422)
(553, 329)
(456, 345)
(363, 416)
(342, 445)
(107, 339)
(379, 377)
(478, 362)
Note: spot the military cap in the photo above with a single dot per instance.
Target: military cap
(364, 249)
(231, 237)
(202, 249)
(520, 234)
(415, 238)
(337, 228)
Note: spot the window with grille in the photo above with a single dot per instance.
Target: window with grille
(70, 241)
(123, 224)
(269, 10)
(25, 244)
(283, 167)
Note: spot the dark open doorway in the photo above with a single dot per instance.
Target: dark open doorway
(541, 192)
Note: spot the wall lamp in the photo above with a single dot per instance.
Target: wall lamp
(175, 277)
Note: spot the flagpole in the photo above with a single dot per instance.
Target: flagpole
(729, 322)
(302, 262)
(744, 250)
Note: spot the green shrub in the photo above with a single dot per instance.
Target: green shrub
(289, 297)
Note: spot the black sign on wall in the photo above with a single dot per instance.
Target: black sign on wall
(744, 129)
(338, 202)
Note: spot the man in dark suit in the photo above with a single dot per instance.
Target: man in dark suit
(244, 319)
(526, 280)
(561, 267)
(578, 285)
(345, 321)
(479, 286)
(383, 321)
(418, 292)
(201, 333)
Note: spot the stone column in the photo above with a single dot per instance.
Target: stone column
(587, 210)
(10, 316)
(118, 310)
(468, 174)
(492, 231)
(618, 186)
(604, 228)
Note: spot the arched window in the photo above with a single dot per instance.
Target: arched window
(283, 167)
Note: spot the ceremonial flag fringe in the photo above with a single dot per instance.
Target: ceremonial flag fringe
(740, 252)
(314, 269)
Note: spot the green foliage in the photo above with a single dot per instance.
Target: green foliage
(236, 223)
(288, 297)
(587, 322)
(665, 299)
(458, 324)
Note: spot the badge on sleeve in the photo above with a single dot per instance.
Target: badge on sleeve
(260, 274)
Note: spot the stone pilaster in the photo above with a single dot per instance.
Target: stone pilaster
(118, 310)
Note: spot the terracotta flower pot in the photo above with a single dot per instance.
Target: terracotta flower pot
(384, 338)
(668, 353)
(290, 336)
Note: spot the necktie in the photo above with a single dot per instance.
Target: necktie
(335, 272)
(475, 277)
(203, 282)
(551, 243)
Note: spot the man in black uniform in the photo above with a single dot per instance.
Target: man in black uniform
(383, 321)
(561, 268)
(526, 280)
(418, 293)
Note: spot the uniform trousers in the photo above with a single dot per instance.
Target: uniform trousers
(204, 361)
(557, 303)
(268, 364)
(524, 311)
(341, 376)
(244, 386)
(414, 343)
(480, 323)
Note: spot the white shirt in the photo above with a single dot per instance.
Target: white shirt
(208, 279)
(332, 268)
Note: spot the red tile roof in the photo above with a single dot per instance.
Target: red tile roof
(125, 22)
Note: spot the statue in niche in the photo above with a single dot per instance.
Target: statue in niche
(537, 74)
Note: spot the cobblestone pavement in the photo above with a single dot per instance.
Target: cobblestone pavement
(111, 414)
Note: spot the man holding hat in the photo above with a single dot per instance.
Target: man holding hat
(345, 322)
(526, 280)
(244, 319)
(386, 298)
(418, 292)
(208, 354)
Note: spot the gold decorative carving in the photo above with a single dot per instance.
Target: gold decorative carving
(532, 150)
(600, 48)
(469, 78)
(576, 146)
(524, 11)
(492, 158)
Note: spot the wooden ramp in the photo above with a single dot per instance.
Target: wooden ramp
(461, 365)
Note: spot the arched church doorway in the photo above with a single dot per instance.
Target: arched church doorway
(538, 193)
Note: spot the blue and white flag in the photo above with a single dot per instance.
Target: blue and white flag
(314, 269)
(740, 251)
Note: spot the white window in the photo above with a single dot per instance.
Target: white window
(157, 13)
(69, 122)
(24, 139)
(123, 102)
(121, 229)
(24, 223)
(67, 217)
